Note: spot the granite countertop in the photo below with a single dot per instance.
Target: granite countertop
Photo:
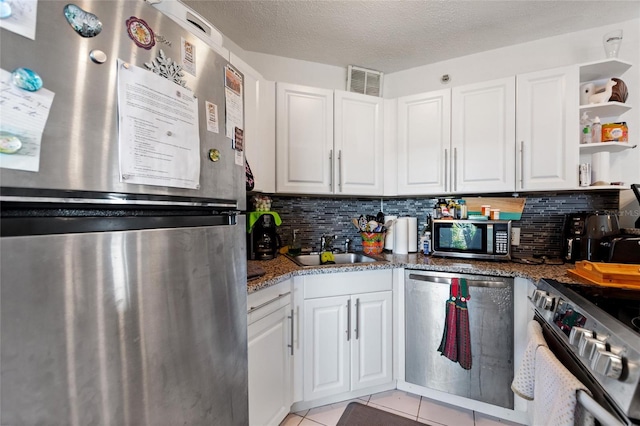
(282, 268)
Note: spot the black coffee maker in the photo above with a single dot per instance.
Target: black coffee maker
(263, 240)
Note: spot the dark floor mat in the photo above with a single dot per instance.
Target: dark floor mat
(362, 415)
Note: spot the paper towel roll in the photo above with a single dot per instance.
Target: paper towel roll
(413, 234)
(401, 236)
(600, 168)
(389, 222)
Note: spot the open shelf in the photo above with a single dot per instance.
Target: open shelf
(605, 68)
(607, 109)
(603, 187)
(591, 148)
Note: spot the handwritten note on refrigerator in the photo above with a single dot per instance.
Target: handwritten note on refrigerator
(22, 17)
(158, 130)
(23, 115)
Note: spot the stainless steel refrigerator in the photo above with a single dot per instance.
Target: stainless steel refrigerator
(121, 303)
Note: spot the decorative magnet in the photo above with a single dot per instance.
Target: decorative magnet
(5, 9)
(84, 23)
(162, 39)
(214, 155)
(26, 79)
(98, 56)
(165, 67)
(9, 144)
(141, 33)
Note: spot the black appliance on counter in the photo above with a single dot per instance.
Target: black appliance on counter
(263, 241)
(583, 233)
(593, 331)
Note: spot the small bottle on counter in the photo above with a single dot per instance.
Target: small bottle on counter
(425, 238)
(464, 213)
(596, 131)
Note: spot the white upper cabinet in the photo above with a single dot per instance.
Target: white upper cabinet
(310, 160)
(547, 129)
(358, 144)
(424, 136)
(304, 139)
(483, 137)
(259, 125)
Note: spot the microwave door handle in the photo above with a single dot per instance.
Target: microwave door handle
(489, 239)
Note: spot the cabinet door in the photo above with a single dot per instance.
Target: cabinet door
(547, 129)
(304, 139)
(270, 368)
(326, 347)
(371, 347)
(259, 125)
(483, 136)
(358, 143)
(424, 136)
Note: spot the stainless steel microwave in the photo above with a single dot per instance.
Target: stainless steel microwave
(472, 239)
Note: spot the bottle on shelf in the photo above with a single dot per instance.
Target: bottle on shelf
(596, 131)
(585, 125)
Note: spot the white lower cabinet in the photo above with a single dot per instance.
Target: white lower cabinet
(347, 337)
(270, 360)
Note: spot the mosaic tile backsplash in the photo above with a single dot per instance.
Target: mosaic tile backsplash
(541, 224)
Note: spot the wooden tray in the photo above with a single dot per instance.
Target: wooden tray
(608, 274)
(510, 208)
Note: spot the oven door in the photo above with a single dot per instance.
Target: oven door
(560, 349)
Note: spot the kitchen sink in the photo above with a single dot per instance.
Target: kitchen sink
(313, 259)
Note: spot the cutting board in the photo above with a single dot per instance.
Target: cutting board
(510, 208)
(608, 274)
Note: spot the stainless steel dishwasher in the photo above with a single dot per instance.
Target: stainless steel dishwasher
(490, 308)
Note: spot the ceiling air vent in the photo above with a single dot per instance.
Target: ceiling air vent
(362, 80)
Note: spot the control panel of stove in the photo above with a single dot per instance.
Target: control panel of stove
(604, 346)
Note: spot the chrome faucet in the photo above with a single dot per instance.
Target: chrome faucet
(326, 242)
(347, 243)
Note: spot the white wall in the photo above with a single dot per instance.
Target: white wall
(567, 49)
(279, 68)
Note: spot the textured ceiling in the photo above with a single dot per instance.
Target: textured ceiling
(392, 35)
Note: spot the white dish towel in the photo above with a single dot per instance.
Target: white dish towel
(523, 381)
(555, 401)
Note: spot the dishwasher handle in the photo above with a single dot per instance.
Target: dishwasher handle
(470, 282)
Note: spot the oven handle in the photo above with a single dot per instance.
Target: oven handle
(592, 406)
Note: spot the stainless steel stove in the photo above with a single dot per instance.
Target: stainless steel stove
(589, 329)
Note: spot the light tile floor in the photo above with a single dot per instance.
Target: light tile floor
(404, 404)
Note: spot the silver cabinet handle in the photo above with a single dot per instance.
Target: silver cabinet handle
(291, 345)
(357, 318)
(340, 170)
(446, 169)
(348, 320)
(331, 169)
(280, 296)
(455, 169)
(521, 164)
